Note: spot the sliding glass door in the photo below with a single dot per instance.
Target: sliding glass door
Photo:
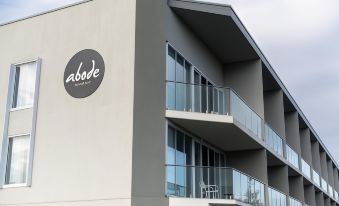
(189, 164)
(187, 89)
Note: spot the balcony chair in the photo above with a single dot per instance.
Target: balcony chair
(209, 191)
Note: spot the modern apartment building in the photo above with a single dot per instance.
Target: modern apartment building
(151, 103)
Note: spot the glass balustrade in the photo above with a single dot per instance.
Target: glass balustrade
(273, 140)
(330, 190)
(189, 97)
(294, 202)
(213, 183)
(316, 178)
(323, 184)
(213, 100)
(243, 114)
(292, 157)
(336, 195)
(305, 168)
(276, 198)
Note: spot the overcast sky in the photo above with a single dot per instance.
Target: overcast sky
(301, 41)
(299, 38)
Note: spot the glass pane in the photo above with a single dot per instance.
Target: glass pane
(188, 150)
(180, 87)
(180, 170)
(221, 102)
(197, 90)
(170, 68)
(17, 162)
(211, 164)
(170, 160)
(205, 163)
(188, 86)
(189, 170)
(170, 156)
(203, 95)
(236, 185)
(170, 95)
(244, 188)
(210, 97)
(215, 100)
(24, 85)
(197, 169)
(180, 155)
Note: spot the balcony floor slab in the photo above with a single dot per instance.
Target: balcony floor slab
(219, 130)
(176, 201)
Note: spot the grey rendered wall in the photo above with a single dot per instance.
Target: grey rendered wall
(309, 195)
(251, 162)
(330, 173)
(296, 187)
(316, 157)
(327, 201)
(148, 180)
(278, 178)
(274, 111)
(335, 177)
(292, 131)
(305, 143)
(323, 161)
(319, 198)
(246, 79)
(186, 42)
(83, 147)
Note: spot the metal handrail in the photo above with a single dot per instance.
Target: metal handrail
(230, 168)
(219, 87)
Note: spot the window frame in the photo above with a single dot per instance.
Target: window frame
(6, 136)
(18, 66)
(27, 168)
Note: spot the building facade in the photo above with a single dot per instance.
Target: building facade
(151, 102)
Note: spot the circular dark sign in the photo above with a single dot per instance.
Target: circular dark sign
(84, 73)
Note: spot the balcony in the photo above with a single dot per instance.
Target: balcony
(210, 99)
(216, 113)
(305, 168)
(324, 185)
(316, 178)
(221, 116)
(273, 140)
(213, 183)
(292, 157)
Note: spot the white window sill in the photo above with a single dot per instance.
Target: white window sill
(21, 108)
(15, 185)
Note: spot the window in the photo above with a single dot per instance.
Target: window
(18, 144)
(17, 160)
(24, 85)
(184, 157)
(189, 90)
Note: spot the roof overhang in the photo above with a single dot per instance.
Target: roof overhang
(224, 37)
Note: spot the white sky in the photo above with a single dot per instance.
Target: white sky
(299, 38)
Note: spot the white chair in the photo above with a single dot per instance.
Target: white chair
(209, 191)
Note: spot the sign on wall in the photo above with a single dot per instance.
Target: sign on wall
(84, 73)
